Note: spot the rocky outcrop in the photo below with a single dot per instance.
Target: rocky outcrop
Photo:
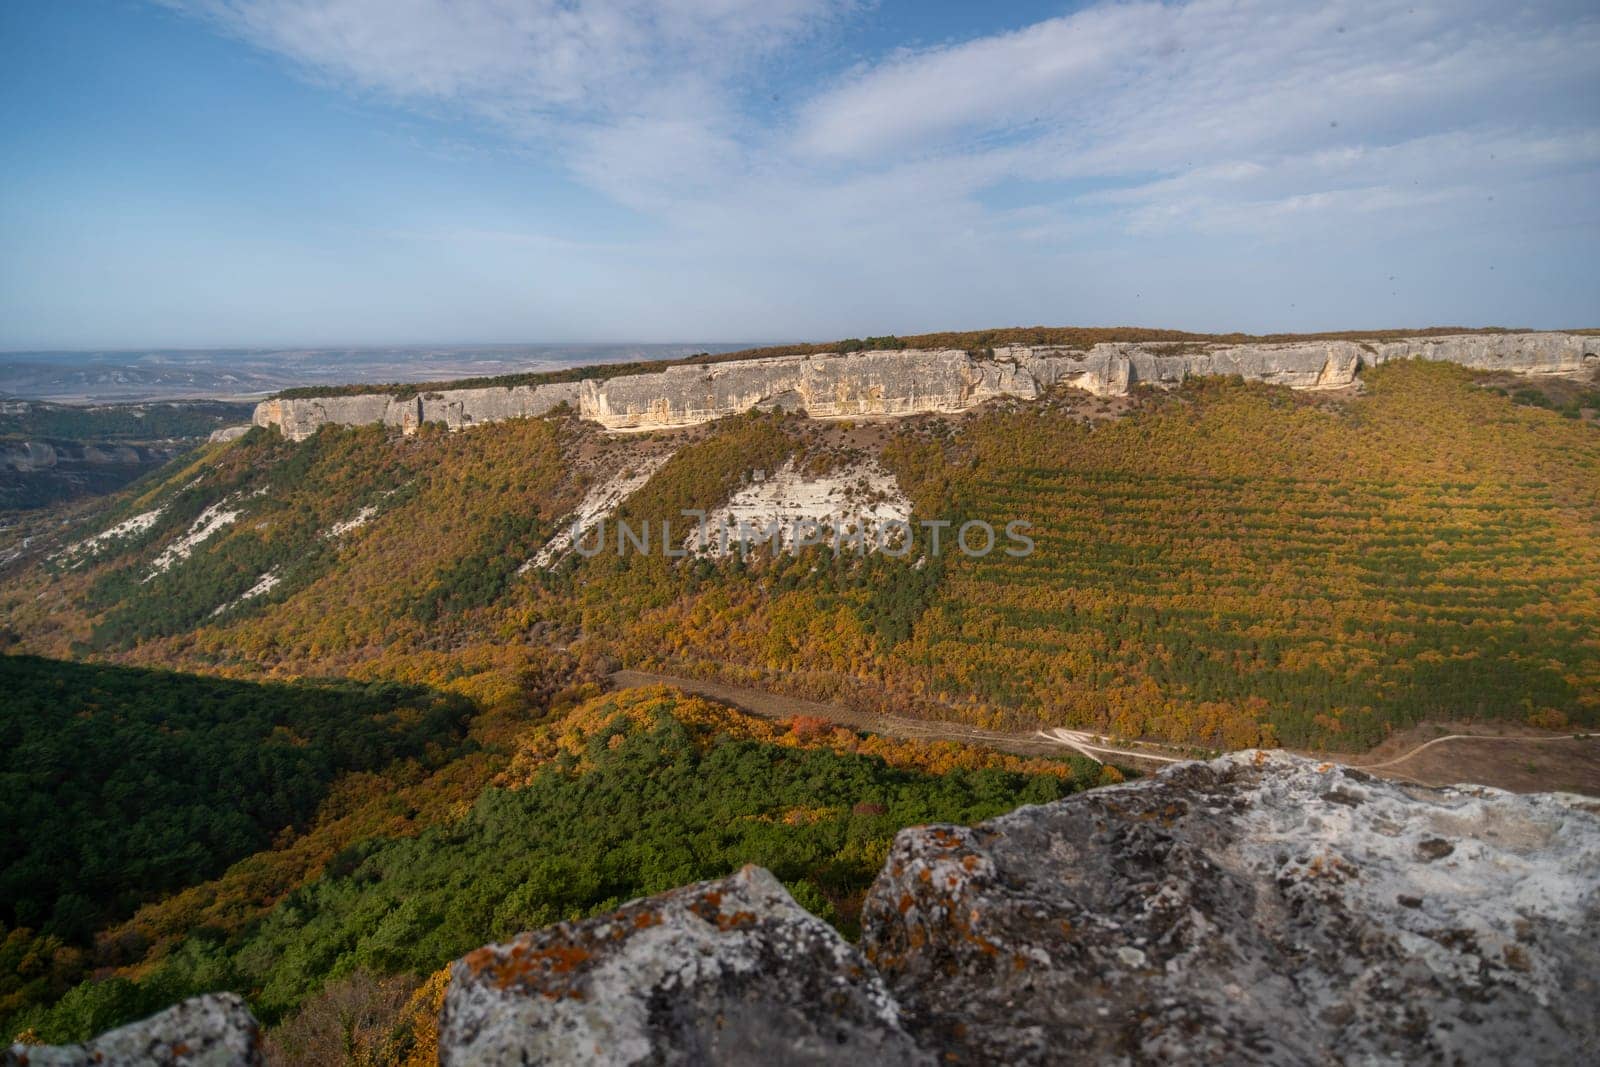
(36, 473)
(726, 972)
(1257, 909)
(210, 1031)
(1261, 908)
(32, 456)
(914, 381)
(457, 409)
(822, 386)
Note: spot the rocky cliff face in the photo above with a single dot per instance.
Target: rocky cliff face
(917, 381)
(1260, 908)
(36, 473)
(32, 456)
(456, 408)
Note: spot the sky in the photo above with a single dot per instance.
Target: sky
(288, 172)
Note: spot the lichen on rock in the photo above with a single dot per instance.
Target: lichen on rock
(724, 972)
(1258, 908)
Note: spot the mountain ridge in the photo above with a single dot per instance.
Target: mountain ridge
(900, 381)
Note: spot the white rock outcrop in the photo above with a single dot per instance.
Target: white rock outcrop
(792, 504)
(918, 381)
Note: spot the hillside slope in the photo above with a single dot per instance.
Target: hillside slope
(1224, 565)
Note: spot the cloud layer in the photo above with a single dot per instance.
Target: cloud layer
(1343, 125)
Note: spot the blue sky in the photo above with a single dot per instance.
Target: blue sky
(284, 172)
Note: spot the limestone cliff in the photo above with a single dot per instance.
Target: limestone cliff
(917, 381)
(1260, 908)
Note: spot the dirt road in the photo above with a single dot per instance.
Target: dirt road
(770, 705)
(1518, 762)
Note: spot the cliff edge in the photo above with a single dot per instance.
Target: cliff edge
(920, 381)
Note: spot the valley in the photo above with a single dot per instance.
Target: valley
(470, 721)
(420, 646)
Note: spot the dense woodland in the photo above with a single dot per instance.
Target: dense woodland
(118, 785)
(576, 811)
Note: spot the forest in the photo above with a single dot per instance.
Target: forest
(1219, 566)
(119, 785)
(620, 796)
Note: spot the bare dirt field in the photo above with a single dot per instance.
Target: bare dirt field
(1505, 755)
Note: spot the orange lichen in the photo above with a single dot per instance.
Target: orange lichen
(523, 963)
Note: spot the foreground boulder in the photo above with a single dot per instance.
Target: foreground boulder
(1258, 908)
(724, 972)
(210, 1031)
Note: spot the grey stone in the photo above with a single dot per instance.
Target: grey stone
(724, 972)
(1260, 908)
(216, 1030)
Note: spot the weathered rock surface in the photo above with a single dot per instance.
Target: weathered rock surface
(913, 381)
(725, 972)
(210, 1031)
(457, 409)
(1258, 908)
(41, 473)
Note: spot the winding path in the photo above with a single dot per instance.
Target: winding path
(1525, 738)
(1051, 741)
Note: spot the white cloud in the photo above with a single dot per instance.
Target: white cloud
(894, 185)
(1120, 88)
(517, 58)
